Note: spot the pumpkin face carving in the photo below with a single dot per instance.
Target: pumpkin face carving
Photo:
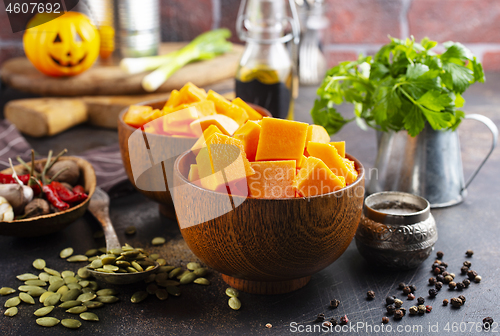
(65, 46)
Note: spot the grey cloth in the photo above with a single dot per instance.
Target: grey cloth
(107, 161)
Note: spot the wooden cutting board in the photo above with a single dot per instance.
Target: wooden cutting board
(108, 80)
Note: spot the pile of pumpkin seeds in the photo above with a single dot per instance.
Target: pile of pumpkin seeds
(126, 259)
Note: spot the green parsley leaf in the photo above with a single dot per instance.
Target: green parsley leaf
(457, 77)
(414, 121)
(434, 100)
(327, 116)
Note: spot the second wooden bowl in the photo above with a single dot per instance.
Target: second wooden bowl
(266, 246)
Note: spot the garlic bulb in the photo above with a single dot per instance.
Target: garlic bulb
(6, 212)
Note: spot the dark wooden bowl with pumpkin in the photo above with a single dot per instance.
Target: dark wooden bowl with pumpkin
(266, 246)
(153, 157)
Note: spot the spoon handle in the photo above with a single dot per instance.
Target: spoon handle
(99, 207)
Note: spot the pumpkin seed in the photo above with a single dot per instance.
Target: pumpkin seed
(25, 297)
(52, 272)
(92, 252)
(65, 274)
(71, 295)
(187, 278)
(116, 251)
(232, 292)
(89, 317)
(76, 310)
(70, 304)
(47, 321)
(137, 266)
(150, 278)
(182, 274)
(175, 272)
(96, 264)
(161, 277)
(234, 303)
(35, 291)
(161, 262)
(130, 254)
(87, 290)
(43, 311)
(74, 286)
(108, 259)
(12, 302)
(78, 258)
(93, 304)
(56, 285)
(7, 290)
(83, 283)
(132, 270)
(139, 296)
(35, 283)
(201, 272)
(202, 281)
(111, 268)
(107, 291)
(63, 290)
(154, 256)
(107, 298)
(193, 265)
(161, 294)
(44, 276)
(44, 296)
(149, 268)
(27, 276)
(173, 290)
(86, 297)
(52, 300)
(166, 283)
(12, 311)
(158, 241)
(129, 231)
(165, 269)
(54, 278)
(39, 264)
(122, 263)
(84, 273)
(102, 249)
(151, 289)
(93, 285)
(67, 252)
(71, 323)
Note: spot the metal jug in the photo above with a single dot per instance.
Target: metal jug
(427, 165)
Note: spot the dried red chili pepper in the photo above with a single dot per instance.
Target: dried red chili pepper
(78, 189)
(53, 198)
(9, 179)
(68, 195)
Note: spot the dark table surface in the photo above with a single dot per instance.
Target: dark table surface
(204, 310)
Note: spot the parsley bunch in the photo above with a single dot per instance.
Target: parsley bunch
(401, 87)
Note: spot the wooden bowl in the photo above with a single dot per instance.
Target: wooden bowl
(266, 246)
(50, 223)
(164, 150)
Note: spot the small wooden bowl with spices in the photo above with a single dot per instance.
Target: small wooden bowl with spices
(53, 222)
(266, 246)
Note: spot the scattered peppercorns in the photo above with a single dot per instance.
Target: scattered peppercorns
(464, 270)
(453, 275)
(432, 281)
(440, 278)
(390, 309)
(469, 253)
(411, 296)
(370, 295)
(478, 279)
(432, 292)
(445, 302)
(461, 297)
(471, 274)
(460, 286)
(466, 282)
(327, 324)
(445, 273)
(269, 325)
(487, 322)
(320, 317)
(467, 263)
(448, 279)
(334, 303)
(413, 288)
(456, 302)
(401, 285)
(413, 310)
(428, 309)
(452, 285)
(438, 285)
(398, 314)
(439, 254)
(390, 300)
(333, 321)
(443, 264)
(398, 303)
(420, 300)
(421, 309)
(344, 320)
(385, 320)
(437, 270)
(406, 290)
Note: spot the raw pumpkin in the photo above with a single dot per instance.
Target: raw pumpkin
(340, 145)
(173, 101)
(333, 160)
(316, 133)
(252, 113)
(249, 136)
(225, 124)
(139, 115)
(201, 142)
(225, 107)
(193, 173)
(190, 93)
(315, 178)
(272, 179)
(281, 140)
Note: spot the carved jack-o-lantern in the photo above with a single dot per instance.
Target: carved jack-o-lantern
(64, 46)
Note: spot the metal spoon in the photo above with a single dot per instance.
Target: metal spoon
(99, 207)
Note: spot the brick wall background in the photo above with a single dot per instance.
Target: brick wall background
(356, 26)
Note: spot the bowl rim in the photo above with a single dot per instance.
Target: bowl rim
(51, 215)
(160, 100)
(360, 169)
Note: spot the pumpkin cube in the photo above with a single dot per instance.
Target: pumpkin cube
(201, 142)
(316, 179)
(333, 160)
(272, 179)
(316, 133)
(224, 150)
(173, 101)
(209, 179)
(252, 113)
(177, 123)
(138, 115)
(301, 162)
(193, 173)
(190, 93)
(225, 124)
(281, 140)
(249, 136)
(225, 107)
(340, 145)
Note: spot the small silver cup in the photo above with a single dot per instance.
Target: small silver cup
(397, 230)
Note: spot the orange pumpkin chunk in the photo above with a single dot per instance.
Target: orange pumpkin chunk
(249, 135)
(333, 160)
(316, 133)
(340, 145)
(272, 179)
(193, 173)
(252, 113)
(316, 179)
(173, 100)
(225, 124)
(209, 179)
(138, 115)
(201, 142)
(224, 150)
(301, 162)
(190, 93)
(225, 107)
(281, 140)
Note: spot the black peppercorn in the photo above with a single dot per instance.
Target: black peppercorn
(413, 288)
(453, 275)
(333, 321)
(433, 266)
(452, 285)
(428, 309)
(413, 310)
(460, 286)
(401, 285)
(420, 300)
(398, 314)
(370, 295)
(437, 270)
(461, 297)
(445, 302)
(411, 296)
(421, 309)
(320, 317)
(432, 292)
(443, 264)
(398, 303)
(478, 279)
(471, 274)
(469, 253)
(464, 270)
(487, 322)
(390, 309)
(344, 320)
(440, 278)
(385, 320)
(432, 281)
(439, 254)
(327, 324)
(467, 263)
(466, 282)
(445, 273)
(438, 285)
(389, 300)
(406, 290)
(456, 302)
(448, 279)
(334, 303)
